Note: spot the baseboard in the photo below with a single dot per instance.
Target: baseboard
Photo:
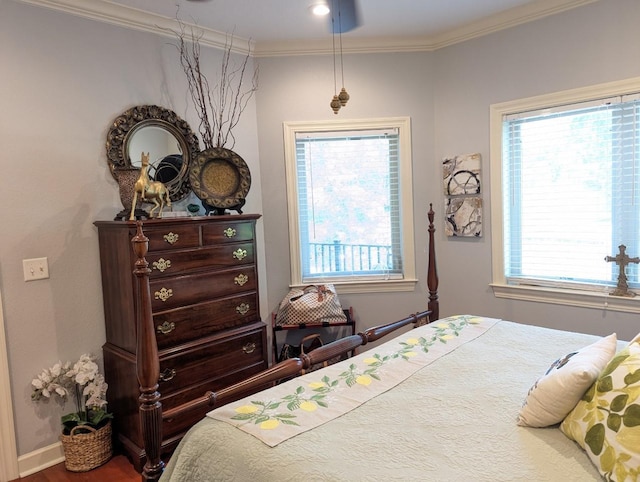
(40, 459)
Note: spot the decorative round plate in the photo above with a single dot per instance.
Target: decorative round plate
(220, 178)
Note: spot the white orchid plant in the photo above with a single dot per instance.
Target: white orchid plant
(84, 383)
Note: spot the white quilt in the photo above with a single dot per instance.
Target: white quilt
(454, 420)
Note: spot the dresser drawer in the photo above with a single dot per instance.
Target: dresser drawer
(185, 367)
(229, 232)
(172, 237)
(179, 262)
(181, 424)
(180, 325)
(168, 293)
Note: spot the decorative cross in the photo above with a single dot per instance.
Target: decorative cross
(622, 259)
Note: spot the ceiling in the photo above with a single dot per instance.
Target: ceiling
(287, 27)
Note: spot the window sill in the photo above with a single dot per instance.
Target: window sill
(556, 296)
(378, 286)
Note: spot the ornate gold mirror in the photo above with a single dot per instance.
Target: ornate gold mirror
(167, 138)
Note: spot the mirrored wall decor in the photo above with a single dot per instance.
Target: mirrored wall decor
(167, 138)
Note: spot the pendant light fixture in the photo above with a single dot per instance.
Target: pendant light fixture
(339, 100)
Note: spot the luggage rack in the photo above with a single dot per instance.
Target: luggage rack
(351, 322)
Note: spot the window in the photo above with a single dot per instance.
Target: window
(566, 177)
(350, 203)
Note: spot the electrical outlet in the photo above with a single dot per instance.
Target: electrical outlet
(36, 268)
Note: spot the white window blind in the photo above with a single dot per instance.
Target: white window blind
(348, 190)
(571, 192)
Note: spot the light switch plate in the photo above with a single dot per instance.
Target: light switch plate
(35, 268)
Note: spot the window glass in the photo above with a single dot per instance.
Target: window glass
(347, 189)
(570, 192)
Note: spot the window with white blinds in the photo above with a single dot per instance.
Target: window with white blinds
(347, 187)
(570, 186)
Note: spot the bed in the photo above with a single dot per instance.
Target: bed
(442, 401)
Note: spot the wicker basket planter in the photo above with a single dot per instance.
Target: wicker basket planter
(86, 451)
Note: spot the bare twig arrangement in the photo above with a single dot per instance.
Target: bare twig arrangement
(219, 108)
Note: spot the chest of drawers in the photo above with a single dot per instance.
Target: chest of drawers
(205, 307)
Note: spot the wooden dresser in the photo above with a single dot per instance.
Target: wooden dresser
(204, 290)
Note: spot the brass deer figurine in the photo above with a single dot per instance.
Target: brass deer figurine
(155, 191)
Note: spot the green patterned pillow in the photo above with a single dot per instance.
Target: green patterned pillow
(606, 422)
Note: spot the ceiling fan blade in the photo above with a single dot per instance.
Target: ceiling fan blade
(345, 16)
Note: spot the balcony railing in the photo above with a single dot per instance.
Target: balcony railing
(338, 258)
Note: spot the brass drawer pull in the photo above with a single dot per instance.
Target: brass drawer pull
(166, 328)
(167, 374)
(171, 238)
(241, 279)
(164, 294)
(240, 254)
(229, 232)
(249, 348)
(162, 264)
(243, 308)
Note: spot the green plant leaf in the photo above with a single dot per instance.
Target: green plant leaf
(289, 422)
(605, 384)
(594, 438)
(631, 416)
(589, 394)
(608, 459)
(614, 421)
(618, 403)
(633, 377)
(615, 362)
(243, 416)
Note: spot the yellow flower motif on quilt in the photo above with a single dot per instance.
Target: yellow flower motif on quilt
(247, 409)
(413, 341)
(370, 361)
(447, 337)
(443, 325)
(364, 380)
(474, 321)
(308, 406)
(409, 354)
(315, 385)
(270, 424)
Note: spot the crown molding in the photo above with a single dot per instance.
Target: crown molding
(127, 17)
(507, 19)
(132, 18)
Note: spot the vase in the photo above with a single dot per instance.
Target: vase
(127, 177)
(86, 448)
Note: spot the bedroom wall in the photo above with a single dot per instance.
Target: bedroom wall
(380, 85)
(592, 44)
(64, 80)
(447, 94)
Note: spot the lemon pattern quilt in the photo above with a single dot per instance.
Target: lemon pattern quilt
(306, 402)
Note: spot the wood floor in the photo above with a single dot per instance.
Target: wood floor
(118, 469)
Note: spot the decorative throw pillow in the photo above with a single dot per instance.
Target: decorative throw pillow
(555, 394)
(606, 422)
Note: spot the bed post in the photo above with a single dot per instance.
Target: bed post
(147, 364)
(432, 271)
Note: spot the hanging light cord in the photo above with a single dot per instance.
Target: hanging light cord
(333, 32)
(340, 33)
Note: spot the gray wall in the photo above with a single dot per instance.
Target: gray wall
(64, 79)
(447, 93)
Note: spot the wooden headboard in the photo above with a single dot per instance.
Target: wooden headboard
(148, 365)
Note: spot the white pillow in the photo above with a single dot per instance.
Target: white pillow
(555, 394)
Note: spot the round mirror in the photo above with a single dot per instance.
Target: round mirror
(167, 138)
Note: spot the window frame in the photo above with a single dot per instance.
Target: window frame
(403, 124)
(554, 295)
